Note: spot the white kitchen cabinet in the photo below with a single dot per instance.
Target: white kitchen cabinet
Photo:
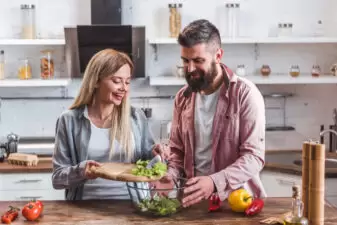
(279, 184)
(28, 186)
(332, 201)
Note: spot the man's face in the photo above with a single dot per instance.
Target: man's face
(199, 66)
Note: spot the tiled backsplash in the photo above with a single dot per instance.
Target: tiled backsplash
(310, 106)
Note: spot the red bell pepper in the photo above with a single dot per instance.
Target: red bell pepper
(255, 208)
(214, 203)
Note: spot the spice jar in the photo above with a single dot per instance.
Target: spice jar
(315, 71)
(47, 64)
(28, 22)
(265, 70)
(25, 70)
(173, 25)
(294, 71)
(241, 70)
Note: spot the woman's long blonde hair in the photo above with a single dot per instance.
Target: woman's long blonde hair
(103, 64)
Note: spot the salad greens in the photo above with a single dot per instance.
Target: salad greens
(159, 205)
(158, 169)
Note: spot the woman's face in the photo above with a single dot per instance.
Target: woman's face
(113, 88)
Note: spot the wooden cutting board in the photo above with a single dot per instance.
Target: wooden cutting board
(120, 172)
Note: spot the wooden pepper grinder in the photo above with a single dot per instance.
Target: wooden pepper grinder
(316, 184)
(306, 149)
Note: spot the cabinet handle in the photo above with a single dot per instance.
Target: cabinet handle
(286, 182)
(30, 197)
(28, 181)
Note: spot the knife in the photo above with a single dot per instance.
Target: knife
(153, 161)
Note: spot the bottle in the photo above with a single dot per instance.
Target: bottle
(2, 65)
(296, 217)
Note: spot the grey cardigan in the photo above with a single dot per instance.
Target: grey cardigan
(71, 148)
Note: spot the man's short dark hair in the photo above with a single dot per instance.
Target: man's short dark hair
(200, 31)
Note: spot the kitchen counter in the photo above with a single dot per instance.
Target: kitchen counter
(44, 166)
(121, 212)
(276, 160)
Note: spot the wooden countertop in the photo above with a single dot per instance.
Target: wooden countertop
(121, 212)
(44, 166)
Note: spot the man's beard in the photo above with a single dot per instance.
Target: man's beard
(205, 78)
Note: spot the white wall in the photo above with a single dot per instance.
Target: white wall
(311, 106)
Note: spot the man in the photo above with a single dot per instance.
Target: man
(218, 128)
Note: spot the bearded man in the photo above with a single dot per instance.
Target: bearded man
(217, 136)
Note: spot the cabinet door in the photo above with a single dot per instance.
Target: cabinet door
(27, 195)
(279, 184)
(26, 181)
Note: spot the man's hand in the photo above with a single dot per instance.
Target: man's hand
(163, 150)
(197, 189)
(87, 172)
(166, 183)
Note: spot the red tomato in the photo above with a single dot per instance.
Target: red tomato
(39, 205)
(31, 211)
(10, 215)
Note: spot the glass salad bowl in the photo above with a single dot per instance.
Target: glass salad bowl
(159, 202)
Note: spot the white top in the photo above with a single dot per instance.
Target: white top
(205, 107)
(98, 150)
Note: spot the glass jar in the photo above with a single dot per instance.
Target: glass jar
(47, 64)
(2, 64)
(28, 22)
(285, 29)
(265, 70)
(294, 71)
(173, 25)
(25, 70)
(241, 70)
(315, 71)
(178, 19)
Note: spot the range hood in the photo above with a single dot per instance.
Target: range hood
(83, 41)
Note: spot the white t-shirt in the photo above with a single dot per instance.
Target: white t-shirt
(205, 107)
(98, 150)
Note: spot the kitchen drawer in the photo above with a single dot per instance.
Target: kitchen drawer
(279, 184)
(26, 181)
(27, 195)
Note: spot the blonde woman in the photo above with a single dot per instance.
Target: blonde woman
(100, 126)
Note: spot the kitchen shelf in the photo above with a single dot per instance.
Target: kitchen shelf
(272, 79)
(268, 40)
(32, 42)
(35, 83)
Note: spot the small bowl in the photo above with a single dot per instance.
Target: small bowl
(151, 201)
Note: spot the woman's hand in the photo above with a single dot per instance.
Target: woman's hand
(87, 172)
(163, 150)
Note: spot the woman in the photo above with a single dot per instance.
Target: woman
(100, 126)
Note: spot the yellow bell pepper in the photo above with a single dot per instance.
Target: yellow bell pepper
(239, 200)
